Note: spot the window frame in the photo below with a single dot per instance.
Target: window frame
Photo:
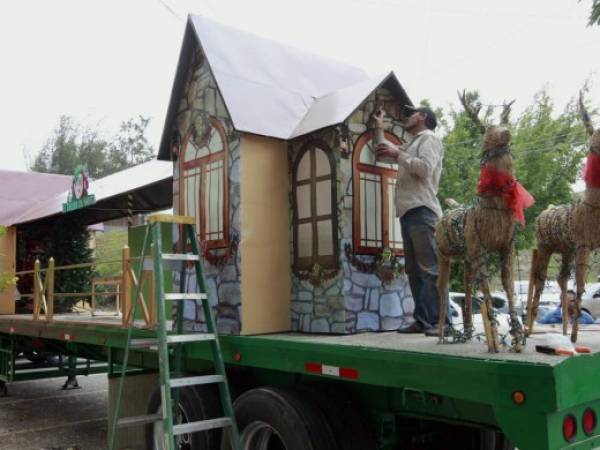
(385, 174)
(203, 163)
(329, 261)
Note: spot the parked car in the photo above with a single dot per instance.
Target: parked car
(590, 304)
(456, 301)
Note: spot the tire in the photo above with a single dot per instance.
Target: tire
(280, 419)
(194, 405)
(349, 426)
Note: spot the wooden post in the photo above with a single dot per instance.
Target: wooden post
(50, 291)
(126, 291)
(118, 298)
(530, 292)
(93, 297)
(36, 290)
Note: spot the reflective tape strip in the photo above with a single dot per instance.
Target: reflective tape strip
(332, 371)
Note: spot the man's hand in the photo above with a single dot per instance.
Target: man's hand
(388, 152)
(378, 118)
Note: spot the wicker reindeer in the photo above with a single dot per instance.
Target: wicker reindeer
(474, 233)
(573, 231)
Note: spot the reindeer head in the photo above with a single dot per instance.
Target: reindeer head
(587, 122)
(494, 136)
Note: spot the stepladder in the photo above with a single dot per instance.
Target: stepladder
(171, 430)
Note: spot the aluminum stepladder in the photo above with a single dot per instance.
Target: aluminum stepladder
(165, 341)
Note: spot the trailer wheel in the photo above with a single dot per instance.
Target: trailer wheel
(350, 428)
(194, 405)
(280, 419)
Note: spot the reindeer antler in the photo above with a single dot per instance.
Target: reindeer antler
(587, 122)
(472, 112)
(505, 113)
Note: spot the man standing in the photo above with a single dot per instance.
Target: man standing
(417, 206)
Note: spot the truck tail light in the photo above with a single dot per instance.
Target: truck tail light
(589, 421)
(569, 428)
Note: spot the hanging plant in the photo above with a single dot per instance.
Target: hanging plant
(385, 265)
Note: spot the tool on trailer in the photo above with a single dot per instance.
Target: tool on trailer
(172, 378)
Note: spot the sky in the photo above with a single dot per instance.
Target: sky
(105, 61)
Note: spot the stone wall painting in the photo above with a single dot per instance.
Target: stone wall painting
(366, 290)
(206, 155)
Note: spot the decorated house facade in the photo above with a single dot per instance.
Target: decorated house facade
(273, 155)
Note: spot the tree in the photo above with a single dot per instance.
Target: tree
(5, 279)
(69, 244)
(549, 152)
(594, 18)
(73, 144)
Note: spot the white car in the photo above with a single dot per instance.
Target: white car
(590, 304)
(456, 301)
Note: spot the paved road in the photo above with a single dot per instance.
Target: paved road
(39, 415)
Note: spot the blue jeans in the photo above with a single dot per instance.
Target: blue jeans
(418, 234)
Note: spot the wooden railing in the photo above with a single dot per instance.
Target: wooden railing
(125, 286)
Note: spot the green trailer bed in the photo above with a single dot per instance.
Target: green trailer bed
(527, 395)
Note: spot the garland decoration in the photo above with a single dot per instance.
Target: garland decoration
(221, 259)
(317, 275)
(385, 265)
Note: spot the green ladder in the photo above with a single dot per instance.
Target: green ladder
(165, 341)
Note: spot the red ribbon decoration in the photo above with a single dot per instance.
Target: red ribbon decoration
(591, 171)
(496, 182)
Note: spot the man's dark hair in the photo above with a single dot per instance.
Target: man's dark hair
(571, 291)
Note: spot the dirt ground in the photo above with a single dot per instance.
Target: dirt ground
(38, 415)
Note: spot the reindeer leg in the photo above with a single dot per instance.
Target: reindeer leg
(442, 285)
(582, 258)
(539, 271)
(563, 279)
(478, 261)
(516, 330)
(487, 314)
(468, 303)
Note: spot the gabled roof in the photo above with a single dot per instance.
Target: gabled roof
(21, 190)
(269, 88)
(150, 183)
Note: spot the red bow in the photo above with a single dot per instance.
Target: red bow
(591, 171)
(496, 182)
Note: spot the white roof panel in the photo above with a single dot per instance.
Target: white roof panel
(335, 107)
(268, 87)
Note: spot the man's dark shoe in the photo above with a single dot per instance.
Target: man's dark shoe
(435, 331)
(414, 327)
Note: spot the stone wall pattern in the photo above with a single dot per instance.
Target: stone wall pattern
(353, 301)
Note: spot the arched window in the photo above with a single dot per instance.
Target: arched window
(203, 184)
(375, 224)
(315, 221)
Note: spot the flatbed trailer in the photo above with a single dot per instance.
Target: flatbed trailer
(401, 383)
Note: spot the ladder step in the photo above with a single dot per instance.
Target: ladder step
(191, 337)
(180, 257)
(143, 343)
(185, 296)
(202, 425)
(139, 420)
(195, 381)
(172, 339)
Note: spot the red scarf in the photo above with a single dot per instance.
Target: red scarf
(591, 171)
(495, 182)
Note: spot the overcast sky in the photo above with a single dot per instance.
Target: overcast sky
(103, 61)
